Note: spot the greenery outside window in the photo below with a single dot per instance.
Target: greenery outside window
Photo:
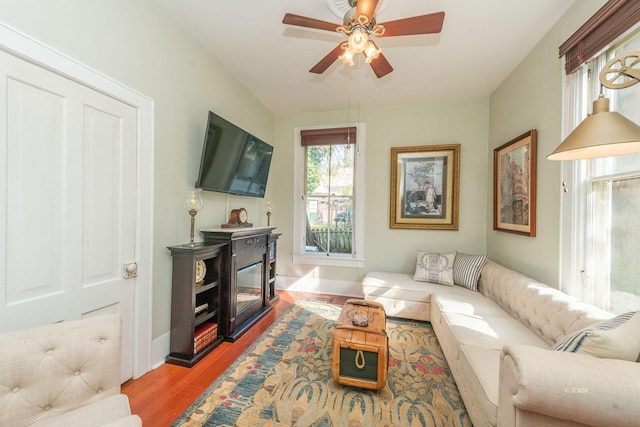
(329, 194)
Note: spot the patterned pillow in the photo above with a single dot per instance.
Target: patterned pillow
(467, 269)
(435, 268)
(617, 338)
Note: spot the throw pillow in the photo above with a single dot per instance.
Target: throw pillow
(617, 338)
(467, 269)
(435, 268)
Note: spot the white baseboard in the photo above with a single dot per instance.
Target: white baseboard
(319, 286)
(161, 345)
(159, 350)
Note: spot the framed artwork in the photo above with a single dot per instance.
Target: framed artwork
(425, 187)
(514, 185)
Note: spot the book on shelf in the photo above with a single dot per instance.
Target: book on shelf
(204, 335)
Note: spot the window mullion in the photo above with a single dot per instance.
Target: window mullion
(597, 223)
(329, 200)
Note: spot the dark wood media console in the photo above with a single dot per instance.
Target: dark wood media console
(248, 271)
(220, 288)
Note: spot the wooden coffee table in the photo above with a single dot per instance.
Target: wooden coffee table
(360, 354)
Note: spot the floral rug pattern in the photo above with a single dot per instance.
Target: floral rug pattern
(284, 379)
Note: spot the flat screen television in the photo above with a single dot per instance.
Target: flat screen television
(233, 161)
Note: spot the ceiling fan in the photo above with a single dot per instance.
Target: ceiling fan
(359, 25)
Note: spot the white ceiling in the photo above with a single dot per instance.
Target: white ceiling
(481, 42)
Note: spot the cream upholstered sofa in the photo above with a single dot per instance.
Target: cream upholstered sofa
(498, 341)
(64, 374)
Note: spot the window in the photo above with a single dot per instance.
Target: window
(600, 228)
(329, 196)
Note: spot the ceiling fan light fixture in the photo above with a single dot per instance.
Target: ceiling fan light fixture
(371, 52)
(347, 55)
(358, 39)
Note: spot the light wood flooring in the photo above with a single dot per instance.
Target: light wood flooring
(160, 396)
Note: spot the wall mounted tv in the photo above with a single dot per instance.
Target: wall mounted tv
(233, 161)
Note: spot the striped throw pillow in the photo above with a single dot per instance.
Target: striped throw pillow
(467, 269)
(617, 338)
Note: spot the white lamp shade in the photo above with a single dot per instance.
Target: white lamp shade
(371, 52)
(602, 134)
(358, 40)
(347, 56)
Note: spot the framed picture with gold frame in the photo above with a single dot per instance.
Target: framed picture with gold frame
(425, 187)
(514, 185)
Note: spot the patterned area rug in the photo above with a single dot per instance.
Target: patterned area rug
(284, 379)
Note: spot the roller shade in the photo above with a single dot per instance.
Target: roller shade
(601, 30)
(331, 136)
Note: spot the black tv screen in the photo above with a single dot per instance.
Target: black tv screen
(233, 161)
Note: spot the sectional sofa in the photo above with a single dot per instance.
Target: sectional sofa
(498, 341)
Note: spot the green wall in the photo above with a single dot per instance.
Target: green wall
(463, 122)
(135, 43)
(531, 98)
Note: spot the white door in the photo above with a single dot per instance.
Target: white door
(67, 201)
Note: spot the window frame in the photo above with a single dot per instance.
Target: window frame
(300, 256)
(578, 247)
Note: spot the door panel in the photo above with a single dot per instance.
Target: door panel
(69, 201)
(33, 189)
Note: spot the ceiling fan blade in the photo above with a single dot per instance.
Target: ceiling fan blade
(326, 62)
(423, 24)
(381, 66)
(366, 7)
(303, 21)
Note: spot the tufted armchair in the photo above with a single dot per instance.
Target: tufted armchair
(64, 374)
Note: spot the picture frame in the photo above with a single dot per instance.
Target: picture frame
(425, 187)
(514, 185)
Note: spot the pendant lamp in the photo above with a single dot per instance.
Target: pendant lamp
(605, 133)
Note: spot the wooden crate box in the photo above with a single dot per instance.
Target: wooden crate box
(360, 354)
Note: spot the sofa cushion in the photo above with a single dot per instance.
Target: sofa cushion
(481, 370)
(466, 270)
(617, 338)
(490, 331)
(404, 309)
(401, 286)
(435, 268)
(469, 303)
(404, 297)
(473, 323)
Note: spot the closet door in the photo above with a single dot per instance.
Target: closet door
(67, 201)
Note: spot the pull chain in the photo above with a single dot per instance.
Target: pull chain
(349, 109)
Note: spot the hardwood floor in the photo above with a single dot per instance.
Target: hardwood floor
(162, 395)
